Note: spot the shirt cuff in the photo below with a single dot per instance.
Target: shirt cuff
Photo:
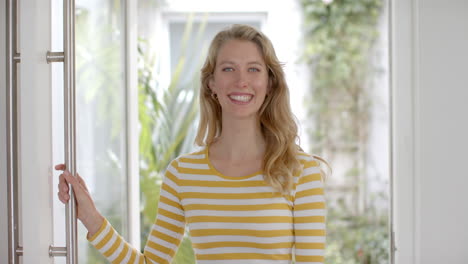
(105, 225)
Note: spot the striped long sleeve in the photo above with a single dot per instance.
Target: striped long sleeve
(231, 219)
(165, 235)
(309, 215)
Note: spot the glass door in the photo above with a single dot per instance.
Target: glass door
(101, 115)
(102, 110)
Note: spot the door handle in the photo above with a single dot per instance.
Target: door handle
(13, 57)
(68, 58)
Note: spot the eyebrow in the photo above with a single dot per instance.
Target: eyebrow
(249, 63)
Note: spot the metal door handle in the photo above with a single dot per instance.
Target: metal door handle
(13, 57)
(57, 251)
(68, 59)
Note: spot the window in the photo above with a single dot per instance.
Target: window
(101, 114)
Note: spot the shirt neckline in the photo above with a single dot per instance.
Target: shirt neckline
(218, 173)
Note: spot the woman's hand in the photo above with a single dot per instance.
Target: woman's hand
(85, 208)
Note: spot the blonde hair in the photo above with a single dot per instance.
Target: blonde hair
(277, 121)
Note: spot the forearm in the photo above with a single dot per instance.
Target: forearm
(112, 246)
(160, 248)
(164, 238)
(92, 223)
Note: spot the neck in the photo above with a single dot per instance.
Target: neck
(239, 140)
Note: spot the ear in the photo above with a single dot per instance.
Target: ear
(211, 84)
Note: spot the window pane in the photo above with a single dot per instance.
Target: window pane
(100, 113)
(347, 54)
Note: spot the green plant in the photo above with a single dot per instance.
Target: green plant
(167, 129)
(357, 239)
(339, 40)
(100, 89)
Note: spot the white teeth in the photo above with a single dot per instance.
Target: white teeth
(241, 98)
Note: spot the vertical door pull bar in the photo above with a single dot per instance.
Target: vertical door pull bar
(68, 59)
(13, 57)
(70, 129)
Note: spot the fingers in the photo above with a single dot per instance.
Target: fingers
(63, 189)
(63, 197)
(62, 185)
(75, 183)
(66, 178)
(60, 167)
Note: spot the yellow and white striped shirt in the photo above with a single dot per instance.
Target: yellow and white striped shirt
(231, 219)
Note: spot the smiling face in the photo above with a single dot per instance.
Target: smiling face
(240, 79)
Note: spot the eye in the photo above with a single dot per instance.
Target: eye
(227, 69)
(254, 70)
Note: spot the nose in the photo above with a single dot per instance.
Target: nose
(242, 79)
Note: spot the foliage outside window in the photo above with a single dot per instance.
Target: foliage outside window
(339, 40)
(101, 113)
(167, 129)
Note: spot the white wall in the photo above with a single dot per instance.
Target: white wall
(3, 162)
(430, 91)
(442, 131)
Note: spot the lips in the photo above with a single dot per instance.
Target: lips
(243, 98)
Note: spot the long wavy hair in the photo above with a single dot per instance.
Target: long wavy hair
(277, 121)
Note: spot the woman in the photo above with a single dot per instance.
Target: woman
(251, 195)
